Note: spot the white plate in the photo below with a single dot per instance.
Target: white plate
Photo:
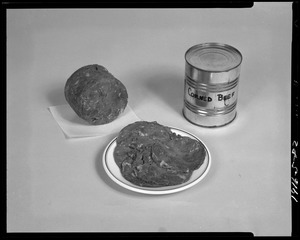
(113, 171)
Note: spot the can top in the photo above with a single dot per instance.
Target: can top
(213, 57)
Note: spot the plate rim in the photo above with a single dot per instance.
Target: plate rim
(157, 192)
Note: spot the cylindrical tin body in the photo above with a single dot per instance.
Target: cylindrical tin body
(212, 73)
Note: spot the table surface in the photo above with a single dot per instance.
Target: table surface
(59, 184)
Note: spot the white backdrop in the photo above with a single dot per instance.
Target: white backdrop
(59, 184)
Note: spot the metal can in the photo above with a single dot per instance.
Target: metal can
(212, 72)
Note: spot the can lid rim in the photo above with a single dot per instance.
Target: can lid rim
(214, 44)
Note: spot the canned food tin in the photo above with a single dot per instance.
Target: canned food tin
(212, 73)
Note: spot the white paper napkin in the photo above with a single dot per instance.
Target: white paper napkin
(75, 127)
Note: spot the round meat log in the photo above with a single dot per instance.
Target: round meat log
(95, 94)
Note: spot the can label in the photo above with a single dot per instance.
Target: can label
(204, 97)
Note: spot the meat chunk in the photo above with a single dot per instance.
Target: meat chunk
(151, 155)
(95, 94)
